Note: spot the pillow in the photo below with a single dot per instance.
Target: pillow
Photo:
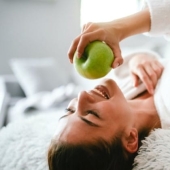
(154, 154)
(38, 74)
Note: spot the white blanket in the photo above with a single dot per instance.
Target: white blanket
(45, 100)
(154, 153)
(162, 96)
(24, 144)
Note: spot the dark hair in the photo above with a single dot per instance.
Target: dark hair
(100, 155)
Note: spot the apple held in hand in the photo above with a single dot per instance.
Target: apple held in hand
(96, 60)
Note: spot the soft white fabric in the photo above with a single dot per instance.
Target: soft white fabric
(24, 144)
(46, 100)
(38, 74)
(161, 97)
(122, 75)
(154, 154)
(160, 18)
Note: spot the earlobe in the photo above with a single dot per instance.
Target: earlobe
(130, 142)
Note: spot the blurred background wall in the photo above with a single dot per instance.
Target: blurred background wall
(46, 28)
(37, 28)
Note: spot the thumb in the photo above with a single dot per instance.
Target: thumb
(118, 57)
(117, 62)
(135, 80)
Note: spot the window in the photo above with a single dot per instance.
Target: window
(106, 10)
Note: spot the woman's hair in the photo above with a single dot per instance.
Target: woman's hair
(100, 155)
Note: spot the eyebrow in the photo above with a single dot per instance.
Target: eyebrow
(83, 119)
(89, 122)
(63, 117)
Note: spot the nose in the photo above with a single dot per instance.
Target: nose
(85, 98)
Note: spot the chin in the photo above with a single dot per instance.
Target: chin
(108, 82)
(112, 86)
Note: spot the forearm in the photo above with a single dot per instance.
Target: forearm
(111, 33)
(134, 24)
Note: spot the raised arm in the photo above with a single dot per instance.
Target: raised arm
(111, 33)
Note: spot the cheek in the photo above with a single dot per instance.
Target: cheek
(113, 111)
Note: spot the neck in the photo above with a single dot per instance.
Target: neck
(145, 114)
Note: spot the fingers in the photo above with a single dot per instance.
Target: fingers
(135, 80)
(87, 38)
(118, 57)
(92, 32)
(72, 49)
(158, 68)
(149, 74)
(154, 71)
(150, 79)
(144, 77)
(82, 40)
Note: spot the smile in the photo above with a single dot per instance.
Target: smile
(102, 91)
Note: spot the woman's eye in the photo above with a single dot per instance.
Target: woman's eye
(93, 113)
(70, 110)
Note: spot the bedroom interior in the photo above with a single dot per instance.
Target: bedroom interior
(37, 80)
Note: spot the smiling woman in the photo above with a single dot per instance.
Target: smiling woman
(93, 110)
(85, 123)
(121, 122)
(101, 128)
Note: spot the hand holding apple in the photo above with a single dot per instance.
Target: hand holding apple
(96, 60)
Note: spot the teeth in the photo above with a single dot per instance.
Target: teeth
(101, 93)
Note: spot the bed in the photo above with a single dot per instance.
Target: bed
(31, 116)
(24, 145)
(37, 86)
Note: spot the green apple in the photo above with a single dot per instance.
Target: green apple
(96, 60)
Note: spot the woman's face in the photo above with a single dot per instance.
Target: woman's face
(99, 113)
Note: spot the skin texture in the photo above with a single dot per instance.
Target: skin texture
(111, 33)
(108, 116)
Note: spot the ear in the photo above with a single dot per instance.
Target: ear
(130, 141)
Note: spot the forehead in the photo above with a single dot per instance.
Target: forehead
(73, 130)
(73, 102)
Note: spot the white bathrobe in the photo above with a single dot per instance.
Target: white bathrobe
(160, 17)
(162, 92)
(160, 26)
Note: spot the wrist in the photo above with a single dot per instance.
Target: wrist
(134, 24)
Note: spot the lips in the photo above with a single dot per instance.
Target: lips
(102, 91)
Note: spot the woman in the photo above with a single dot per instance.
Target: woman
(102, 129)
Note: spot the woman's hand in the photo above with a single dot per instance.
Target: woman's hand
(111, 33)
(146, 69)
(98, 31)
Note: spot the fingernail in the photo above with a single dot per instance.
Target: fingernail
(71, 61)
(117, 64)
(78, 55)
